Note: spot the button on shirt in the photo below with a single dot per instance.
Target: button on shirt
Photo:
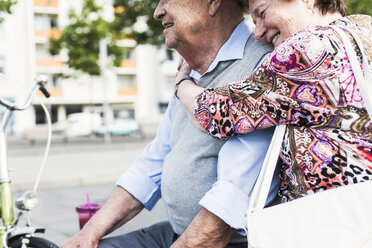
(239, 160)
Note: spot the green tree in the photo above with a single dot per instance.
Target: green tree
(81, 39)
(359, 7)
(128, 12)
(5, 6)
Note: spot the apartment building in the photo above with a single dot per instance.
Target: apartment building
(141, 86)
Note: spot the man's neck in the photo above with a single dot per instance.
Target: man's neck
(201, 55)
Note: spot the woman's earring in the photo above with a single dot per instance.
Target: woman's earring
(312, 10)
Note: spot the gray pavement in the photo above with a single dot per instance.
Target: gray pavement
(81, 166)
(83, 161)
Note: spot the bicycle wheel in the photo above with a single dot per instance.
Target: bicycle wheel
(34, 242)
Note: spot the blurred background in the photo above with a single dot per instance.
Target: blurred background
(110, 79)
(106, 66)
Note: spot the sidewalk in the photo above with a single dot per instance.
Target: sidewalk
(81, 166)
(81, 162)
(56, 212)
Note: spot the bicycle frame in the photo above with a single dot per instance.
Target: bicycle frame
(6, 196)
(6, 199)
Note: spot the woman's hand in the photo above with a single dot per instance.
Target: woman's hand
(183, 70)
(186, 90)
(182, 75)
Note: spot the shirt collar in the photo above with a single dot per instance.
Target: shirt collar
(232, 49)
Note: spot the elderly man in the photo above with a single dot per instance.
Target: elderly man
(205, 189)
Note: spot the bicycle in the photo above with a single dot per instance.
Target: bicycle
(11, 233)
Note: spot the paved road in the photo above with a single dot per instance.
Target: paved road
(84, 161)
(56, 211)
(73, 169)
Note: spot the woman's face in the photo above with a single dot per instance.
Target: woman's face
(277, 20)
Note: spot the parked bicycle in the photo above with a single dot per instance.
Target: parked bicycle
(11, 232)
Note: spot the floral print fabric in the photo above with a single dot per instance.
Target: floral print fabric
(307, 84)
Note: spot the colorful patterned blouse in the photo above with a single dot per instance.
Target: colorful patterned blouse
(307, 84)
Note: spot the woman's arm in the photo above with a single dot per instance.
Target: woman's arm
(186, 91)
(284, 90)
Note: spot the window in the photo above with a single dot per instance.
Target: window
(42, 22)
(2, 64)
(53, 22)
(56, 80)
(40, 114)
(123, 113)
(125, 81)
(163, 107)
(130, 54)
(169, 54)
(42, 51)
(45, 22)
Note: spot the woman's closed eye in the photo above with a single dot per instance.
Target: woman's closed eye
(262, 12)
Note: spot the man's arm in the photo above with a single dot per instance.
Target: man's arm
(138, 187)
(119, 209)
(239, 163)
(206, 230)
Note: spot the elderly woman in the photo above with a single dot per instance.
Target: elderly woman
(307, 84)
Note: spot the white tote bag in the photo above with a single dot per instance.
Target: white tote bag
(335, 218)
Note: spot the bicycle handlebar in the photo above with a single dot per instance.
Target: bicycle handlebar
(45, 92)
(40, 82)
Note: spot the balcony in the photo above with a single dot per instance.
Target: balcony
(49, 7)
(54, 33)
(128, 63)
(54, 92)
(46, 3)
(127, 91)
(127, 67)
(42, 36)
(49, 65)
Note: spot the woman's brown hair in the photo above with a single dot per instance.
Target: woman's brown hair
(325, 6)
(331, 6)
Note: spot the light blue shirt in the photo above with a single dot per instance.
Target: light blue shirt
(239, 161)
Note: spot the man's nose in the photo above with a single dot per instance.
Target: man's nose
(260, 31)
(159, 12)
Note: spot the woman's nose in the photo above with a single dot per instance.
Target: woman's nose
(260, 31)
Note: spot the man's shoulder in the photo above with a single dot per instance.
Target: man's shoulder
(233, 70)
(256, 47)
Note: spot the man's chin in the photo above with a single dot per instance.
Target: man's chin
(170, 43)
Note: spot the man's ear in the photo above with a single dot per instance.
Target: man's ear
(213, 6)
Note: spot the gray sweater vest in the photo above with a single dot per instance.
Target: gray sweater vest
(190, 169)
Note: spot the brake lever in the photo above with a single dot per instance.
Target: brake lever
(42, 80)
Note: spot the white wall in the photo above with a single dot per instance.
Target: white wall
(20, 55)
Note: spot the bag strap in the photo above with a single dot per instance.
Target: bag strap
(364, 81)
(262, 187)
